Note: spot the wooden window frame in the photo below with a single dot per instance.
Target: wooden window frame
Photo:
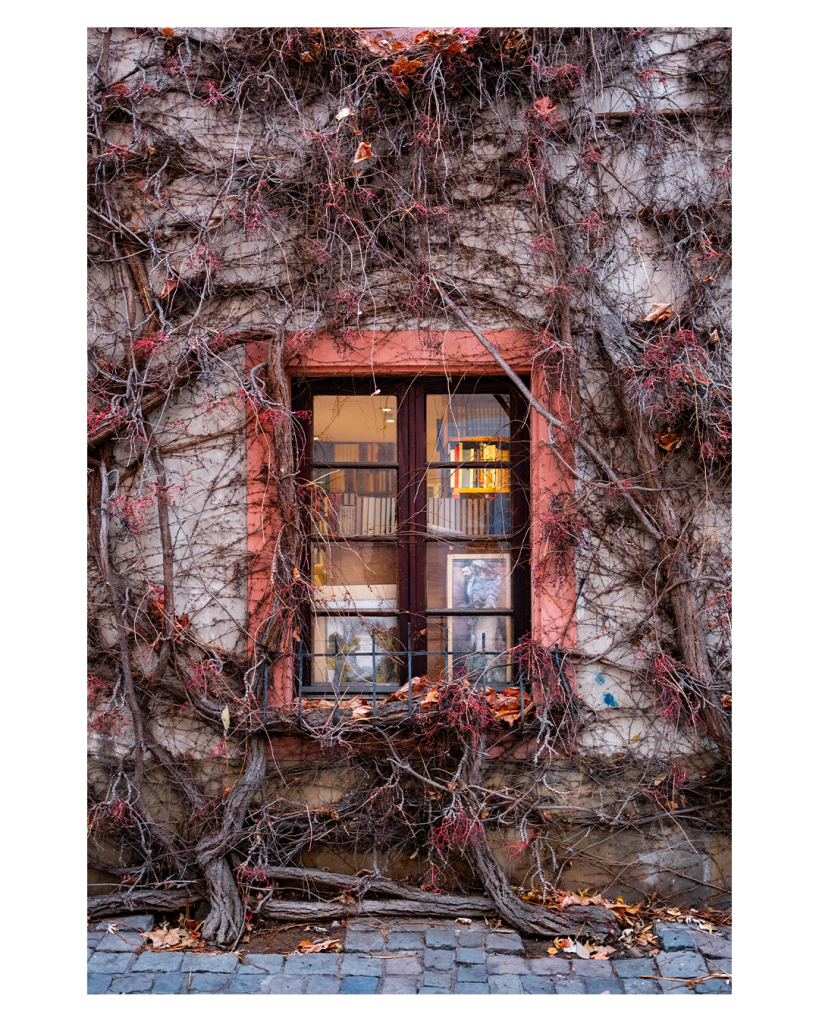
(411, 537)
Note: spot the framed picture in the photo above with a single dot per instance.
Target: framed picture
(353, 671)
(477, 643)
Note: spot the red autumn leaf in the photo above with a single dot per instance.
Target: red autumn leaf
(170, 284)
(544, 106)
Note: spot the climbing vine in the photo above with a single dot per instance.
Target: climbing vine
(262, 187)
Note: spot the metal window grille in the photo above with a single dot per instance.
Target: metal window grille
(303, 657)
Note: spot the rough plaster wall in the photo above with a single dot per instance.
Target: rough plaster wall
(491, 246)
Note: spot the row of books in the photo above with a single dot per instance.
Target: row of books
(369, 451)
(359, 481)
(478, 451)
(470, 516)
(356, 515)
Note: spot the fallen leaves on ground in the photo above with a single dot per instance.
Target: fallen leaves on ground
(636, 919)
(306, 946)
(181, 937)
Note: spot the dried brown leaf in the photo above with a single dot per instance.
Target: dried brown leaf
(659, 311)
(364, 152)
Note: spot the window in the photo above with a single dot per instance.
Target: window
(419, 530)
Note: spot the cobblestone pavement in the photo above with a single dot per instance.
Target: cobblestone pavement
(407, 958)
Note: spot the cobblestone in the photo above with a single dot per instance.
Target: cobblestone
(681, 965)
(352, 964)
(359, 986)
(206, 982)
(110, 963)
(209, 963)
(499, 943)
(441, 938)
(536, 986)
(549, 968)
(318, 963)
(634, 968)
(258, 963)
(120, 942)
(399, 987)
(433, 979)
(322, 985)
(641, 987)
(599, 986)
(246, 984)
(674, 937)
(407, 959)
(713, 945)
(592, 968)
(505, 985)
(130, 984)
(405, 940)
(167, 984)
(154, 962)
(469, 956)
(506, 965)
(98, 984)
(714, 986)
(570, 987)
(472, 972)
(281, 986)
(438, 959)
(405, 966)
(675, 988)
(364, 942)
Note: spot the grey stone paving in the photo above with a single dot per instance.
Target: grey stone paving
(406, 958)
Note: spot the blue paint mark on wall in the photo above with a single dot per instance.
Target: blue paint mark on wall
(609, 701)
(600, 680)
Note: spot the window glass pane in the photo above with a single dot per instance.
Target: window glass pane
(355, 502)
(356, 575)
(352, 637)
(473, 575)
(354, 428)
(468, 502)
(467, 428)
(475, 647)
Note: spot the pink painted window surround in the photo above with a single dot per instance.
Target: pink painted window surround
(377, 357)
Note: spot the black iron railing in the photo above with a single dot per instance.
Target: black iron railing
(457, 665)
